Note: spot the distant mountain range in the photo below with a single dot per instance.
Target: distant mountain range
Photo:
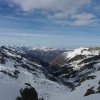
(28, 73)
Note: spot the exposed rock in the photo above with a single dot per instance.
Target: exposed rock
(28, 93)
(87, 78)
(89, 91)
(98, 89)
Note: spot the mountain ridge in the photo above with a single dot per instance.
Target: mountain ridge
(52, 81)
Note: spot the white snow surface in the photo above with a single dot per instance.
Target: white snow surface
(49, 90)
(9, 87)
(42, 48)
(80, 51)
(78, 93)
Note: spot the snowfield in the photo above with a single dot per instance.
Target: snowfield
(14, 75)
(10, 87)
(80, 51)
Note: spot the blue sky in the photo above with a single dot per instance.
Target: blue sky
(55, 23)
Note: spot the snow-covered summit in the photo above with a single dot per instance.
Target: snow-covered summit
(80, 51)
(42, 48)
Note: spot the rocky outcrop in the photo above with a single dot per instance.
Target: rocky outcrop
(28, 93)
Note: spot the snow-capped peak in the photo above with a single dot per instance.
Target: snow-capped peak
(42, 48)
(80, 51)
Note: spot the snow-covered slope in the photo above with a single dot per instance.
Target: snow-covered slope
(16, 70)
(81, 56)
(80, 70)
(69, 81)
(80, 51)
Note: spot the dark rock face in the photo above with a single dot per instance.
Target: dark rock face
(77, 57)
(84, 78)
(2, 60)
(92, 59)
(89, 91)
(28, 94)
(13, 74)
(98, 89)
